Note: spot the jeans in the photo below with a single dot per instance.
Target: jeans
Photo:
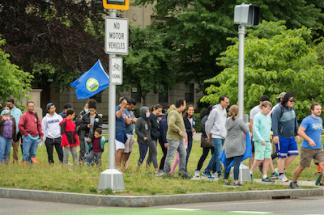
(93, 158)
(143, 147)
(83, 146)
(215, 162)
(204, 156)
(50, 144)
(165, 151)
(237, 162)
(174, 146)
(67, 151)
(5, 146)
(189, 147)
(152, 157)
(29, 147)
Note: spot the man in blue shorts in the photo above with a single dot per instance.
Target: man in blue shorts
(284, 127)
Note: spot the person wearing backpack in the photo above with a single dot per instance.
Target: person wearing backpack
(96, 148)
(70, 138)
(284, 128)
(7, 135)
(31, 130)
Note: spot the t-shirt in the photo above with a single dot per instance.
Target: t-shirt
(130, 128)
(120, 127)
(261, 127)
(254, 111)
(313, 128)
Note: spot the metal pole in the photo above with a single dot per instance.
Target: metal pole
(112, 111)
(241, 71)
(111, 178)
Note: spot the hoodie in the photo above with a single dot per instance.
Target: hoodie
(175, 125)
(215, 124)
(234, 144)
(143, 127)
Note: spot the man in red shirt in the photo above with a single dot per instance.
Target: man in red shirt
(31, 130)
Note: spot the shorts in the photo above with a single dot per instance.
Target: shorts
(129, 143)
(307, 155)
(119, 145)
(262, 151)
(287, 146)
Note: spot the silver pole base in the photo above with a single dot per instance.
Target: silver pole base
(111, 179)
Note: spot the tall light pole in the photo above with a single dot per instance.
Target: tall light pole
(244, 15)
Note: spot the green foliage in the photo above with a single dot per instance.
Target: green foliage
(13, 81)
(276, 59)
(146, 65)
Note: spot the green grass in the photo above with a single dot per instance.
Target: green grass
(84, 179)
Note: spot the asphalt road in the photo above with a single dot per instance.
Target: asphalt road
(307, 206)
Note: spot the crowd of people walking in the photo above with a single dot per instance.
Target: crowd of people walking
(273, 132)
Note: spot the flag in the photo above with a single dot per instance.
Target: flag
(91, 82)
(247, 154)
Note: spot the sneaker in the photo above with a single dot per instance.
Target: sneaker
(206, 175)
(266, 180)
(238, 184)
(293, 185)
(34, 160)
(197, 174)
(319, 179)
(161, 174)
(283, 178)
(275, 175)
(184, 175)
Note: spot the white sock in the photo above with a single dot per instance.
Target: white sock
(265, 176)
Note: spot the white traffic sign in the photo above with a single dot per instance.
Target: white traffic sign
(116, 36)
(116, 70)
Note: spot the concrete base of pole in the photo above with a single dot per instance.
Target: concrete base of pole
(111, 179)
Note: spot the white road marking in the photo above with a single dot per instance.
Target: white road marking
(250, 212)
(180, 209)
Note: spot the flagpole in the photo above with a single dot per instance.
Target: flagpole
(111, 178)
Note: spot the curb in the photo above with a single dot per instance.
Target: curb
(158, 200)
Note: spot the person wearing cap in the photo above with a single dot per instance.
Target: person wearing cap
(16, 114)
(279, 98)
(52, 133)
(284, 128)
(7, 135)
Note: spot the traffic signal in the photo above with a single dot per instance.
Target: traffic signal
(116, 4)
(246, 14)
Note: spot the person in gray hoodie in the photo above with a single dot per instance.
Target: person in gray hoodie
(284, 128)
(143, 132)
(234, 145)
(216, 133)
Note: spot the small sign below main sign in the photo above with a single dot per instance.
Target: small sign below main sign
(116, 70)
(116, 36)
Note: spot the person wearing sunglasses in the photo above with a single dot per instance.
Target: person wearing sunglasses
(284, 128)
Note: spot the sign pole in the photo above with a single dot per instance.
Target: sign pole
(111, 178)
(241, 71)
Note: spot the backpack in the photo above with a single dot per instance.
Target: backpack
(70, 135)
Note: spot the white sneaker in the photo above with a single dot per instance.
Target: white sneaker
(283, 178)
(197, 174)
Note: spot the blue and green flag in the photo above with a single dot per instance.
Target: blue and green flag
(91, 82)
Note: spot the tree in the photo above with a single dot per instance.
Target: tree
(54, 39)
(197, 30)
(13, 81)
(146, 65)
(276, 59)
